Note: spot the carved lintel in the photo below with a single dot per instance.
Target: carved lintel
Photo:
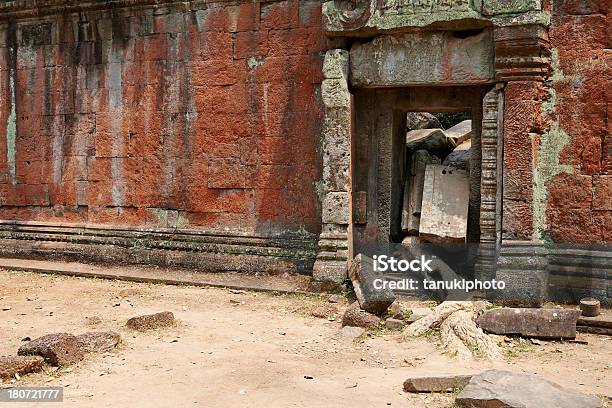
(521, 53)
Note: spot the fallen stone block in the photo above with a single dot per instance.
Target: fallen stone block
(351, 332)
(432, 140)
(504, 389)
(98, 342)
(444, 210)
(355, 317)
(413, 191)
(20, 365)
(421, 120)
(363, 276)
(394, 324)
(57, 349)
(418, 313)
(594, 330)
(530, 322)
(443, 383)
(325, 311)
(398, 311)
(461, 132)
(603, 320)
(459, 158)
(150, 322)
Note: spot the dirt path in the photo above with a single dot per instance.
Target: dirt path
(248, 350)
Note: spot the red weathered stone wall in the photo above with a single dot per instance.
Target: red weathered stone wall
(123, 114)
(559, 131)
(580, 200)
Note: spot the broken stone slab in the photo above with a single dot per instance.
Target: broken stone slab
(20, 365)
(98, 342)
(150, 322)
(355, 317)
(57, 349)
(603, 320)
(594, 330)
(398, 311)
(504, 389)
(443, 383)
(363, 277)
(530, 322)
(421, 120)
(394, 324)
(432, 140)
(460, 132)
(351, 332)
(459, 158)
(413, 191)
(418, 313)
(444, 210)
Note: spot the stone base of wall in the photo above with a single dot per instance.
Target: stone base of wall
(204, 251)
(535, 273)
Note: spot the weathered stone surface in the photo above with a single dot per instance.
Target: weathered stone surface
(421, 120)
(363, 277)
(98, 342)
(431, 140)
(602, 320)
(493, 7)
(461, 132)
(351, 332)
(153, 321)
(335, 64)
(20, 365)
(444, 383)
(398, 311)
(324, 311)
(422, 58)
(530, 322)
(590, 307)
(504, 389)
(459, 158)
(336, 208)
(354, 316)
(394, 324)
(57, 349)
(418, 313)
(335, 93)
(413, 191)
(444, 211)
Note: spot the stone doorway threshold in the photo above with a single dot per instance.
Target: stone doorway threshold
(285, 283)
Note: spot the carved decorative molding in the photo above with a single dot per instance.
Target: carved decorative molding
(490, 205)
(521, 53)
(352, 13)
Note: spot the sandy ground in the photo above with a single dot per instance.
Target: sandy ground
(249, 350)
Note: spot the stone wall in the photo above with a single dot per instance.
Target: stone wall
(191, 115)
(557, 143)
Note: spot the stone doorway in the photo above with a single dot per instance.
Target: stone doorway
(367, 92)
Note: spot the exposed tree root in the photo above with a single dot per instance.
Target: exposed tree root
(458, 329)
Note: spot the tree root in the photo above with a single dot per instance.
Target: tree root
(458, 329)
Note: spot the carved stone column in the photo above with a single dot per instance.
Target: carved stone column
(332, 260)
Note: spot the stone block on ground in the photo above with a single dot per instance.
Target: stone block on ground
(413, 191)
(530, 322)
(418, 313)
(590, 307)
(398, 311)
(461, 132)
(459, 158)
(432, 140)
(363, 277)
(57, 349)
(394, 324)
(504, 389)
(324, 311)
(150, 322)
(443, 383)
(355, 317)
(98, 342)
(444, 210)
(351, 332)
(20, 365)
(421, 120)
(603, 320)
